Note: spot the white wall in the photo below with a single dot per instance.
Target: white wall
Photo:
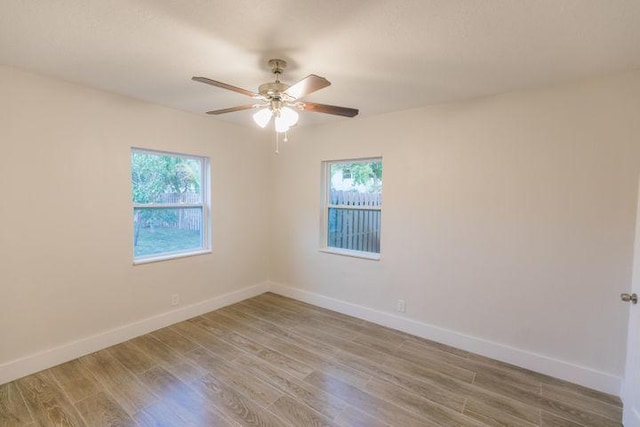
(66, 270)
(509, 220)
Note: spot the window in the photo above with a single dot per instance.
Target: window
(352, 207)
(170, 205)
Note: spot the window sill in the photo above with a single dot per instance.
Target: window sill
(170, 256)
(354, 254)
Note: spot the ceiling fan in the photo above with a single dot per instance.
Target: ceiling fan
(280, 100)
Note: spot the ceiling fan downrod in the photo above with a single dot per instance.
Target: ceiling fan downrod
(277, 66)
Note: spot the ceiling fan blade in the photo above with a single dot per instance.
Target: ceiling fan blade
(232, 109)
(329, 109)
(226, 86)
(306, 86)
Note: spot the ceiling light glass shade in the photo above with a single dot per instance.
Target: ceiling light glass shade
(281, 124)
(289, 115)
(262, 117)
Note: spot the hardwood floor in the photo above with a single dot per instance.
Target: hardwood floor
(274, 361)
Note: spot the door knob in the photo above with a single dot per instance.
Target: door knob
(626, 298)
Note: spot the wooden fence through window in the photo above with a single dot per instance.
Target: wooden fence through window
(354, 229)
(181, 218)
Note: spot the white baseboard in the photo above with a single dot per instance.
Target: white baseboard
(536, 362)
(539, 363)
(36, 362)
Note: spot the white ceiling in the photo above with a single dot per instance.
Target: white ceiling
(380, 55)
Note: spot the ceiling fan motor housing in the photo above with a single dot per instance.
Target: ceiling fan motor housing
(273, 89)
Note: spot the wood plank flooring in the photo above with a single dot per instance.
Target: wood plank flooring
(274, 361)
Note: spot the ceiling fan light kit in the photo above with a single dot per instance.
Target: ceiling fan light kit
(280, 101)
(262, 117)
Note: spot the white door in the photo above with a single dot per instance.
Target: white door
(631, 384)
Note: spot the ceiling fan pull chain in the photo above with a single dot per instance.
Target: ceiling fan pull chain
(286, 136)
(277, 151)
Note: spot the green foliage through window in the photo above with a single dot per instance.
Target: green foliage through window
(363, 174)
(169, 205)
(154, 175)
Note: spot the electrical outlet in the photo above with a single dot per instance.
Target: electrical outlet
(401, 305)
(175, 299)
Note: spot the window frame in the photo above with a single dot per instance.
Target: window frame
(325, 206)
(204, 205)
